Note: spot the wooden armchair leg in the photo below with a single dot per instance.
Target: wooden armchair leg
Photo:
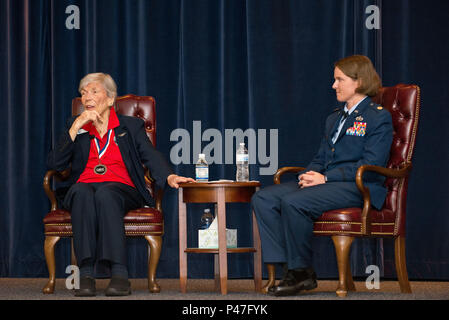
(72, 253)
(154, 253)
(49, 250)
(342, 248)
(271, 278)
(349, 280)
(401, 267)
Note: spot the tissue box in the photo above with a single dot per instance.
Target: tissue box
(208, 238)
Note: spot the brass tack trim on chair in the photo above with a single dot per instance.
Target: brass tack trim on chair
(348, 222)
(396, 225)
(332, 232)
(415, 124)
(58, 233)
(141, 233)
(383, 233)
(143, 224)
(338, 222)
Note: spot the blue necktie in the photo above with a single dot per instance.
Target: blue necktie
(343, 118)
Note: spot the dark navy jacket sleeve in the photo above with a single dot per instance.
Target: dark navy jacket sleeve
(60, 157)
(152, 158)
(317, 163)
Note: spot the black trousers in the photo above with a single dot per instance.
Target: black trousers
(97, 211)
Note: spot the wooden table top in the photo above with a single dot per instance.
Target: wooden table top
(217, 184)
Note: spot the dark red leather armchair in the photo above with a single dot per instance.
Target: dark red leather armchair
(143, 222)
(403, 102)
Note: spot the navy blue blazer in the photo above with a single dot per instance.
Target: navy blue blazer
(134, 145)
(365, 138)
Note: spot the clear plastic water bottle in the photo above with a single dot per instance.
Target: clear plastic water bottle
(242, 162)
(202, 169)
(206, 219)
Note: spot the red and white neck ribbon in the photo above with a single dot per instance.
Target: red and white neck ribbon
(102, 151)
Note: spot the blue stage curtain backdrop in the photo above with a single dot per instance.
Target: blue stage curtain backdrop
(257, 65)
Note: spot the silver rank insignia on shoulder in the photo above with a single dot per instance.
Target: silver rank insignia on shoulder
(359, 118)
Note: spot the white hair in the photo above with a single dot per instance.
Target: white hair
(105, 79)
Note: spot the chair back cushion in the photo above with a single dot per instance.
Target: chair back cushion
(403, 102)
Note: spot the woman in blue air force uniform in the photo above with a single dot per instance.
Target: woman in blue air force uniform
(359, 133)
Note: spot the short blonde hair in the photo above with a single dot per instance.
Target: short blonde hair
(106, 81)
(360, 67)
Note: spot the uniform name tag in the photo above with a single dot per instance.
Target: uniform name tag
(358, 129)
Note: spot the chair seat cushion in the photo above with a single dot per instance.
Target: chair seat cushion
(348, 221)
(57, 216)
(58, 223)
(144, 221)
(139, 222)
(143, 215)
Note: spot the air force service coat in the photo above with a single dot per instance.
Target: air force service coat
(365, 138)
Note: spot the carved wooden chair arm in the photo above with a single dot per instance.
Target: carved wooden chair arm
(281, 171)
(158, 199)
(59, 175)
(158, 193)
(401, 172)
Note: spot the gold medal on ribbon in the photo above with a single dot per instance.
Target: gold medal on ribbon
(100, 169)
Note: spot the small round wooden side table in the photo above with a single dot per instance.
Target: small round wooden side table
(219, 193)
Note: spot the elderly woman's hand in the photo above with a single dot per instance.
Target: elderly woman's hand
(173, 180)
(85, 117)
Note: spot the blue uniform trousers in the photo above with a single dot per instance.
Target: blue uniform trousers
(285, 215)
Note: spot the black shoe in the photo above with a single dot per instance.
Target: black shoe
(286, 277)
(294, 282)
(118, 287)
(87, 287)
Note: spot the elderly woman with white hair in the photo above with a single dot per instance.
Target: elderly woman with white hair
(106, 152)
